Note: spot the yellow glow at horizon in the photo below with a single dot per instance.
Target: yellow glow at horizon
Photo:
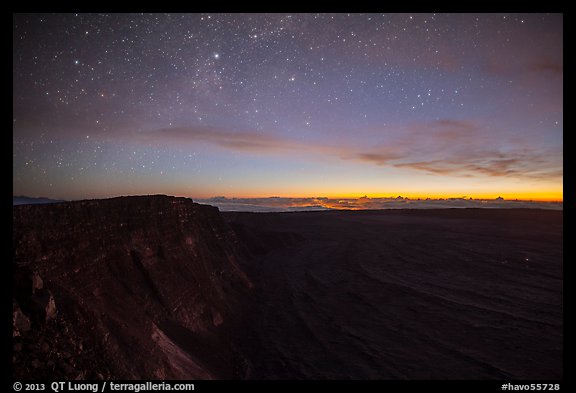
(489, 189)
(421, 187)
(541, 196)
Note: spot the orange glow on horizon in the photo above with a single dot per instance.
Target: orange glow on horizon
(543, 196)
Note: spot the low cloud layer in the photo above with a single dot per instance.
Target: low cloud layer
(275, 204)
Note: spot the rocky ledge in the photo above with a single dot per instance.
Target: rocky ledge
(125, 288)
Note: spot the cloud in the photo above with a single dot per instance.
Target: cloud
(548, 67)
(544, 66)
(455, 147)
(365, 203)
(519, 164)
(242, 141)
(451, 129)
(464, 148)
(378, 158)
(438, 167)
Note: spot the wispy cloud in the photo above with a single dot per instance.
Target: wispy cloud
(533, 165)
(378, 158)
(452, 130)
(464, 148)
(444, 147)
(456, 147)
(242, 141)
(548, 66)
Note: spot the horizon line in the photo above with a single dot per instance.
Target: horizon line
(366, 196)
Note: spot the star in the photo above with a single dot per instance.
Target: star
(225, 85)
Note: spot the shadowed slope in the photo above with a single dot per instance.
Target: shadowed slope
(120, 271)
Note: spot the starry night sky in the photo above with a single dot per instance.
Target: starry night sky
(298, 105)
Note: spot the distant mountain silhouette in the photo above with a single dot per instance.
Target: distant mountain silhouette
(24, 200)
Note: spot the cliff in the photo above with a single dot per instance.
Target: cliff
(128, 287)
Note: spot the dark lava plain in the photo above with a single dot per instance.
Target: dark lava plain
(403, 294)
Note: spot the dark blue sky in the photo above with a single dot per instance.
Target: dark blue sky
(292, 105)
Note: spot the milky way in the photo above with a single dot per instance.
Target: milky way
(292, 105)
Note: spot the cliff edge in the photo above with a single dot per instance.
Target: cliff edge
(125, 288)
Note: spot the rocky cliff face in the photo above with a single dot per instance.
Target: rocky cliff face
(129, 287)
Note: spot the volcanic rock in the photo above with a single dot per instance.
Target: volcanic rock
(122, 285)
